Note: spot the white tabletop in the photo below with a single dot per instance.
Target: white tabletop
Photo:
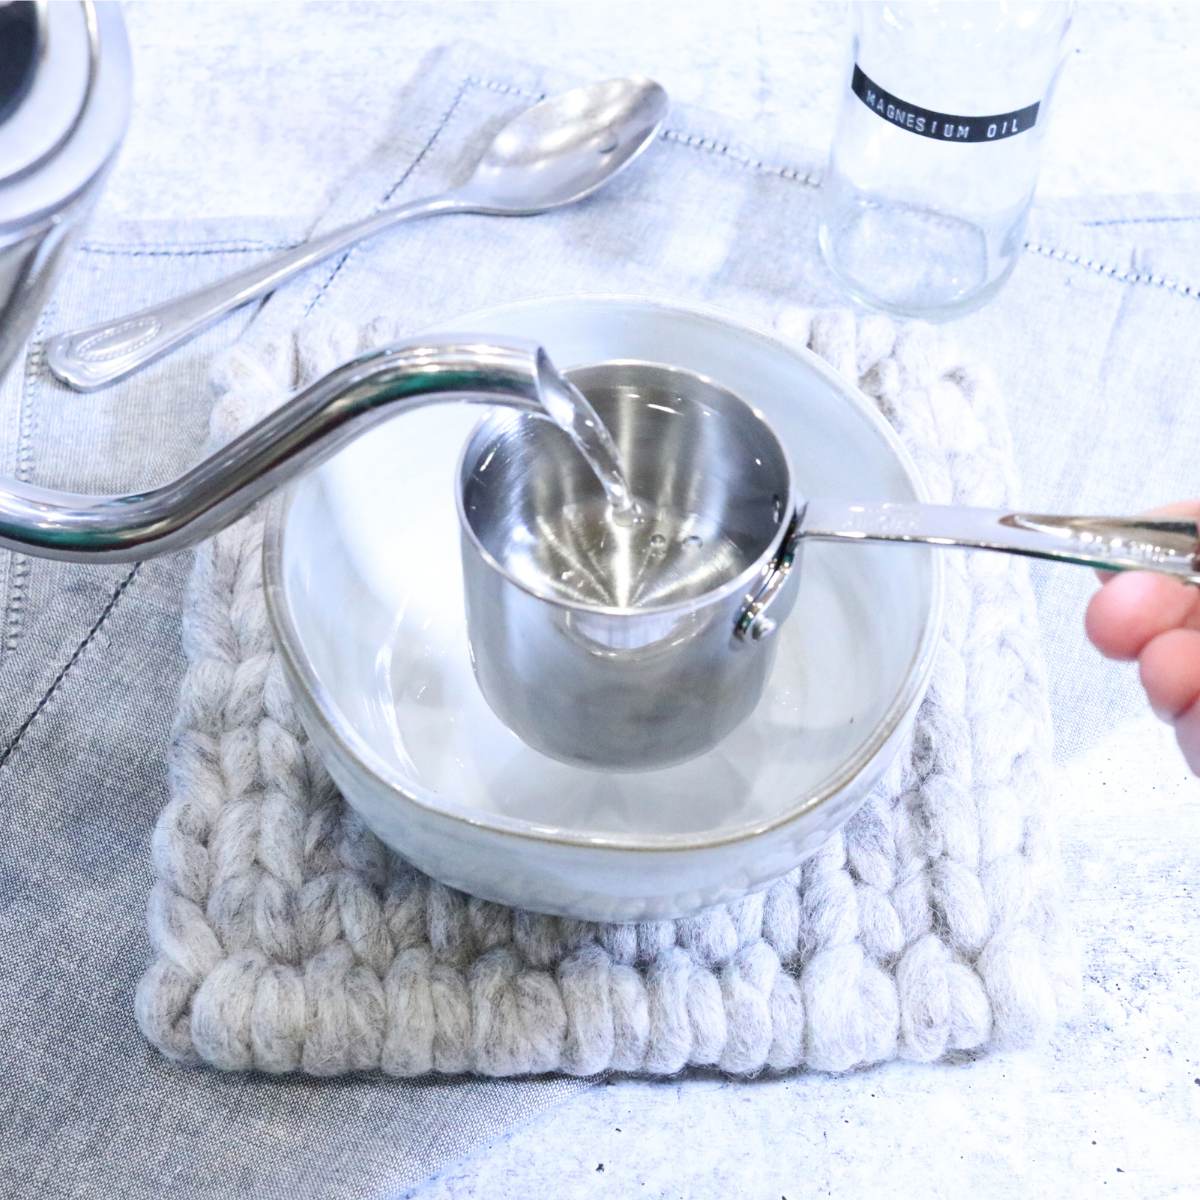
(1112, 1106)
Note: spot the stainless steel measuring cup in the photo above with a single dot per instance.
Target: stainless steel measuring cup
(601, 655)
(586, 670)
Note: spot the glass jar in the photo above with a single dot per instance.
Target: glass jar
(935, 153)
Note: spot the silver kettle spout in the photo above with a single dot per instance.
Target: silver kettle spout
(302, 433)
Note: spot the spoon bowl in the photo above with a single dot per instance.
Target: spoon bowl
(564, 148)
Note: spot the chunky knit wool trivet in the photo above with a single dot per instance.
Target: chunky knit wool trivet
(287, 938)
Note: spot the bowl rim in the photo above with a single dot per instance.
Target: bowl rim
(351, 744)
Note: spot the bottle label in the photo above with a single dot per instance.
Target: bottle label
(945, 127)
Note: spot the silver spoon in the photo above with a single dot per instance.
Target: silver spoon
(553, 154)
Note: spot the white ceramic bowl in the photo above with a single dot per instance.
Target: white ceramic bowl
(364, 589)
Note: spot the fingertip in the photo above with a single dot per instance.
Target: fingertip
(1131, 609)
(1170, 672)
(1102, 627)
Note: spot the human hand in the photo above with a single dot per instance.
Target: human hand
(1156, 620)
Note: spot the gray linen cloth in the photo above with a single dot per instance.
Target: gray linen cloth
(1096, 351)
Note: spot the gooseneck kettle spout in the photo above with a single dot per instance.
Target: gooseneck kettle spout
(300, 434)
(381, 384)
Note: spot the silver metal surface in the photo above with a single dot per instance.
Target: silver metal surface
(777, 591)
(1168, 547)
(56, 91)
(555, 153)
(612, 645)
(58, 139)
(298, 435)
(24, 27)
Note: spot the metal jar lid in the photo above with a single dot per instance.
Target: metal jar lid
(65, 84)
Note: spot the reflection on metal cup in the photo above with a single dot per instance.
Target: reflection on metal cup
(612, 646)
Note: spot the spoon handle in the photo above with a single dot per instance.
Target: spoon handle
(87, 359)
(1169, 547)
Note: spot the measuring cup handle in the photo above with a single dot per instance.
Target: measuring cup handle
(1166, 546)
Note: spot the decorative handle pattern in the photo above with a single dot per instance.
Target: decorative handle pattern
(1169, 547)
(102, 354)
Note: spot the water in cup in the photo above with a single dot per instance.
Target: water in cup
(583, 553)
